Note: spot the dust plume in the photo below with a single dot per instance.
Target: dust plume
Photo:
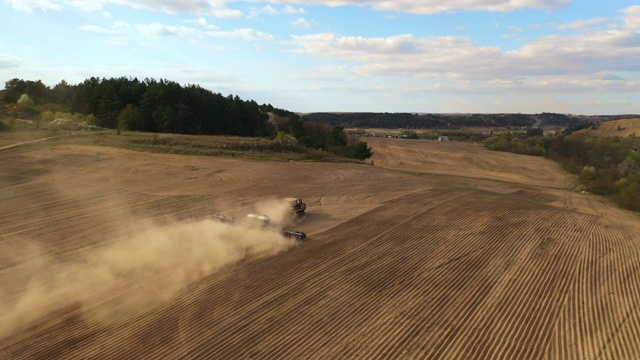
(126, 277)
(277, 209)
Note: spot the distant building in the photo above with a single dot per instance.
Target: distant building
(554, 132)
(443, 138)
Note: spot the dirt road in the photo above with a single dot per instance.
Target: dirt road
(6, 147)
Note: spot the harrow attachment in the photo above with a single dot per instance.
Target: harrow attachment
(261, 221)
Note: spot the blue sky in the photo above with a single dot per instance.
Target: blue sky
(528, 56)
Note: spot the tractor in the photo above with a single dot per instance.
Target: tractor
(297, 206)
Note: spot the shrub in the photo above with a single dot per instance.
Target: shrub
(362, 151)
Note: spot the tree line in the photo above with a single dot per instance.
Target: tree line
(148, 105)
(314, 135)
(165, 106)
(453, 121)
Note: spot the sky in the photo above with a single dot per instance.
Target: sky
(426, 56)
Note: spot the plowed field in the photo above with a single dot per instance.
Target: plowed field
(439, 251)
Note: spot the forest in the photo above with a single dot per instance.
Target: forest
(164, 106)
(419, 121)
(149, 105)
(453, 121)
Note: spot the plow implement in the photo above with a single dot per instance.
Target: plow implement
(260, 221)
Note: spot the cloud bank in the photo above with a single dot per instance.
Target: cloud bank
(218, 8)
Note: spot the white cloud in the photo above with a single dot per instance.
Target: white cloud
(157, 29)
(215, 8)
(374, 50)
(607, 102)
(227, 14)
(218, 8)
(582, 24)
(124, 30)
(301, 22)
(242, 34)
(269, 10)
(121, 24)
(97, 29)
(584, 62)
(253, 13)
(632, 17)
(614, 50)
(288, 9)
(31, 5)
(437, 6)
(106, 14)
(202, 22)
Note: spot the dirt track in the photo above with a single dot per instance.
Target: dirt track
(441, 250)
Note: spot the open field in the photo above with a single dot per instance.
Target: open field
(440, 250)
(465, 159)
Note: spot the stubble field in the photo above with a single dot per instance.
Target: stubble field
(439, 250)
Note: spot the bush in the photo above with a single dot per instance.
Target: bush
(628, 195)
(429, 135)
(361, 151)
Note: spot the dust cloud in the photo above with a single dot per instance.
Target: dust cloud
(278, 210)
(128, 276)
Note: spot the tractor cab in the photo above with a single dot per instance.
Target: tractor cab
(297, 206)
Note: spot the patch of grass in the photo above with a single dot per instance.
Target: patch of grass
(260, 149)
(19, 135)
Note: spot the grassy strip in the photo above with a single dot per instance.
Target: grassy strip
(197, 145)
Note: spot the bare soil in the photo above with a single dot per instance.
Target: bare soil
(438, 250)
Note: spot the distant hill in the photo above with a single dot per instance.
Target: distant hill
(453, 121)
(622, 128)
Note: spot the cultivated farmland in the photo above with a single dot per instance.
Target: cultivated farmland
(439, 250)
